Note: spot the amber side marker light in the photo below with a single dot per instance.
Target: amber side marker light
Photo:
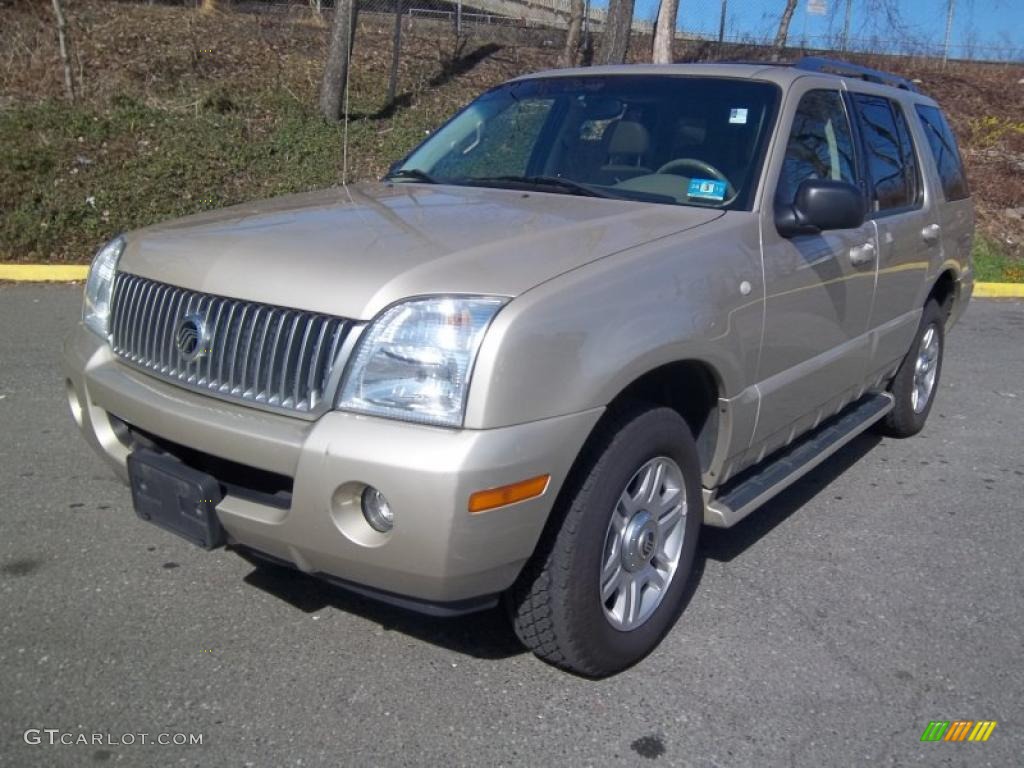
(492, 498)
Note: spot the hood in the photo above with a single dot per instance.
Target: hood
(351, 252)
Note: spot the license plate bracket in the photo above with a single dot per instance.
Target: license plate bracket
(176, 497)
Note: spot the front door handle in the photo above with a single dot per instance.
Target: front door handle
(862, 254)
(931, 233)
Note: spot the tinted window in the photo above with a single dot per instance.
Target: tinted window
(945, 152)
(819, 146)
(892, 165)
(675, 140)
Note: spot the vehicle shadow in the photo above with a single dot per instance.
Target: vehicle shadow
(488, 634)
(725, 544)
(484, 635)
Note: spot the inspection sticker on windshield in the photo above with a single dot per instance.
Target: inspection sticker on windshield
(738, 116)
(708, 189)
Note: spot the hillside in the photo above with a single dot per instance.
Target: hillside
(181, 111)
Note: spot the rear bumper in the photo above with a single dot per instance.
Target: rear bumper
(436, 553)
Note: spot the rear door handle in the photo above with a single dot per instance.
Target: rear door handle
(931, 233)
(862, 254)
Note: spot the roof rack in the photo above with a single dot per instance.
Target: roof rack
(847, 69)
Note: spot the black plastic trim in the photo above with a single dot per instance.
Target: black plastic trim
(416, 605)
(849, 69)
(239, 480)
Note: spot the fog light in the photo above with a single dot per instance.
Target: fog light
(376, 510)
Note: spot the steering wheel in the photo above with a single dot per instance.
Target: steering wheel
(701, 166)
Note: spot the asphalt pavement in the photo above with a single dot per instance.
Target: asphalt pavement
(884, 591)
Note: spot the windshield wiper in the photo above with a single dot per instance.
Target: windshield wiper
(555, 183)
(412, 174)
(539, 182)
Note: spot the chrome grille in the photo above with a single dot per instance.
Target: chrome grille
(256, 353)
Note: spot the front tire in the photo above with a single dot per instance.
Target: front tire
(610, 574)
(917, 379)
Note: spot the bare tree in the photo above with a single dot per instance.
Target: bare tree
(339, 57)
(65, 58)
(783, 33)
(617, 26)
(574, 35)
(665, 32)
(396, 53)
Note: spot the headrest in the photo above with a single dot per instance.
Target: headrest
(691, 131)
(629, 138)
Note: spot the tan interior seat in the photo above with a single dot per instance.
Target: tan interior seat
(628, 145)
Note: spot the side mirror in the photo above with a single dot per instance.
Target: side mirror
(821, 204)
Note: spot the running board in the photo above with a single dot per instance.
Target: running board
(741, 496)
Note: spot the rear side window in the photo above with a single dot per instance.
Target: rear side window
(944, 150)
(892, 164)
(819, 146)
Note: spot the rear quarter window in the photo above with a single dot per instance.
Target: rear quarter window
(945, 151)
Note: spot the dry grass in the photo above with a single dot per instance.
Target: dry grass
(171, 55)
(182, 109)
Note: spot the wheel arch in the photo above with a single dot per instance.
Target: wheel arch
(692, 388)
(946, 291)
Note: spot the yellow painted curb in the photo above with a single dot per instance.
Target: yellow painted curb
(41, 273)
(999, 290)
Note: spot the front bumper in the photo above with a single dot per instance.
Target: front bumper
(436, 552)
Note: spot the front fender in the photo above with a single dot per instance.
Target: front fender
(575, 342)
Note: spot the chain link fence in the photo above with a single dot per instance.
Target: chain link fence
(951, 29)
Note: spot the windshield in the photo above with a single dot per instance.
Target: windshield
(663, 139)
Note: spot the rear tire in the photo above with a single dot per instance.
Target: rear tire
(917, 379)
(609, 576)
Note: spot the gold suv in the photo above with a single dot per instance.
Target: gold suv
(594, 310)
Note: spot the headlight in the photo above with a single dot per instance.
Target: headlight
(99, 286)
(415, 360)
